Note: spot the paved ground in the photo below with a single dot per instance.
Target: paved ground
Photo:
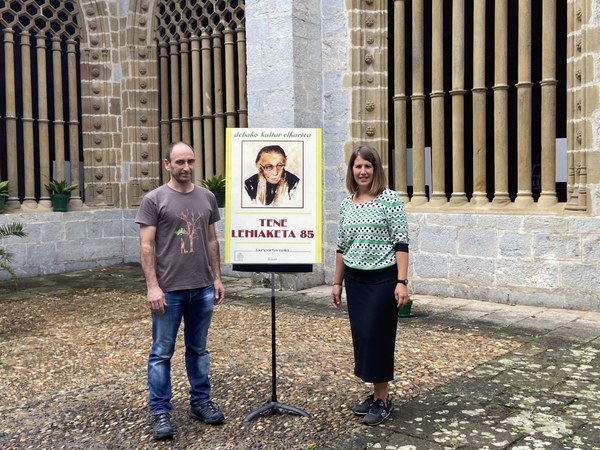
(542, 395)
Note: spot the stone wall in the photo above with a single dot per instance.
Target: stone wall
(534, 260)
(63, 242)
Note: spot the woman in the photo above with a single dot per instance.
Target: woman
(372, 260)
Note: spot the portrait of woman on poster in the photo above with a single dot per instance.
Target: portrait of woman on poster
(273, 185)
(372, 264)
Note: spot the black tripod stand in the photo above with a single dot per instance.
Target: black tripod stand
(274, 404)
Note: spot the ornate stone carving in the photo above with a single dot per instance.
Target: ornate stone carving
(370, 21)
(143, 99)
(95, 72)
(370, 106)
(98, 175)
(370, 130)
(369, 58)
(370, 39)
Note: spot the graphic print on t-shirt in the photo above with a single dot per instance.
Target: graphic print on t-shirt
(189, 232)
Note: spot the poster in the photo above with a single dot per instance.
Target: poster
(273, 196)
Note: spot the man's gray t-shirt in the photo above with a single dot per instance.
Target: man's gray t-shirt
(181, 247)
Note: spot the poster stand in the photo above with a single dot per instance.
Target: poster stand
(274, 404)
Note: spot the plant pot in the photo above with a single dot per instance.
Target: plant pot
(2, 203)
(220, 196)
(60, 202)
(405, 310)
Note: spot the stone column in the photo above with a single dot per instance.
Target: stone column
(186, 133)
(548, 83)
(438, 177)
(207, 104)
(59, 122)
(501, 196)
(75, 201)
(12, 202)
(400, 98)
(459, 197)
(524, 86)
(197, 106)
(242, 75)
(218, 94)
(479, 197)
(44, 136)
(29, 201)
(165, 124)
(174, 92)
(418, 104)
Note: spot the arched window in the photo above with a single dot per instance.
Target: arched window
(202, 72)
(478, 100)
(40, 112)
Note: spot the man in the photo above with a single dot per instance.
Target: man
(180, 257)
(272, 185)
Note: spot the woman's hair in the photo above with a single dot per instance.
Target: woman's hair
(379, 180)
(270, 149)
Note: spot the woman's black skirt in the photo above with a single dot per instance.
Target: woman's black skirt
(373, 314)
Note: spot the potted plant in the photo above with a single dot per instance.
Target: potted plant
(404, 312)
(7, 230)
(216, 185)
(3, 194)
(61, 192)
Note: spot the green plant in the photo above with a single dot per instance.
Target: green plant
(60, 187)
(3, 188)
(10, 229)
(214, 184)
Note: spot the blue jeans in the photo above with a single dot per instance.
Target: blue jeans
(195, 306)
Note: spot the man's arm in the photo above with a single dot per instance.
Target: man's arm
(215, 263)
(155, 295)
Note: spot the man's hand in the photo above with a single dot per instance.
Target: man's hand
(219, 292)
(156, 300)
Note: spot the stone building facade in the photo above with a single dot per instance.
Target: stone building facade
(325, 64)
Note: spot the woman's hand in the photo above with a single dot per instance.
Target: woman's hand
(336, 296)
(401, 294)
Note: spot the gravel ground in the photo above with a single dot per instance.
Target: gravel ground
(73, 374)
